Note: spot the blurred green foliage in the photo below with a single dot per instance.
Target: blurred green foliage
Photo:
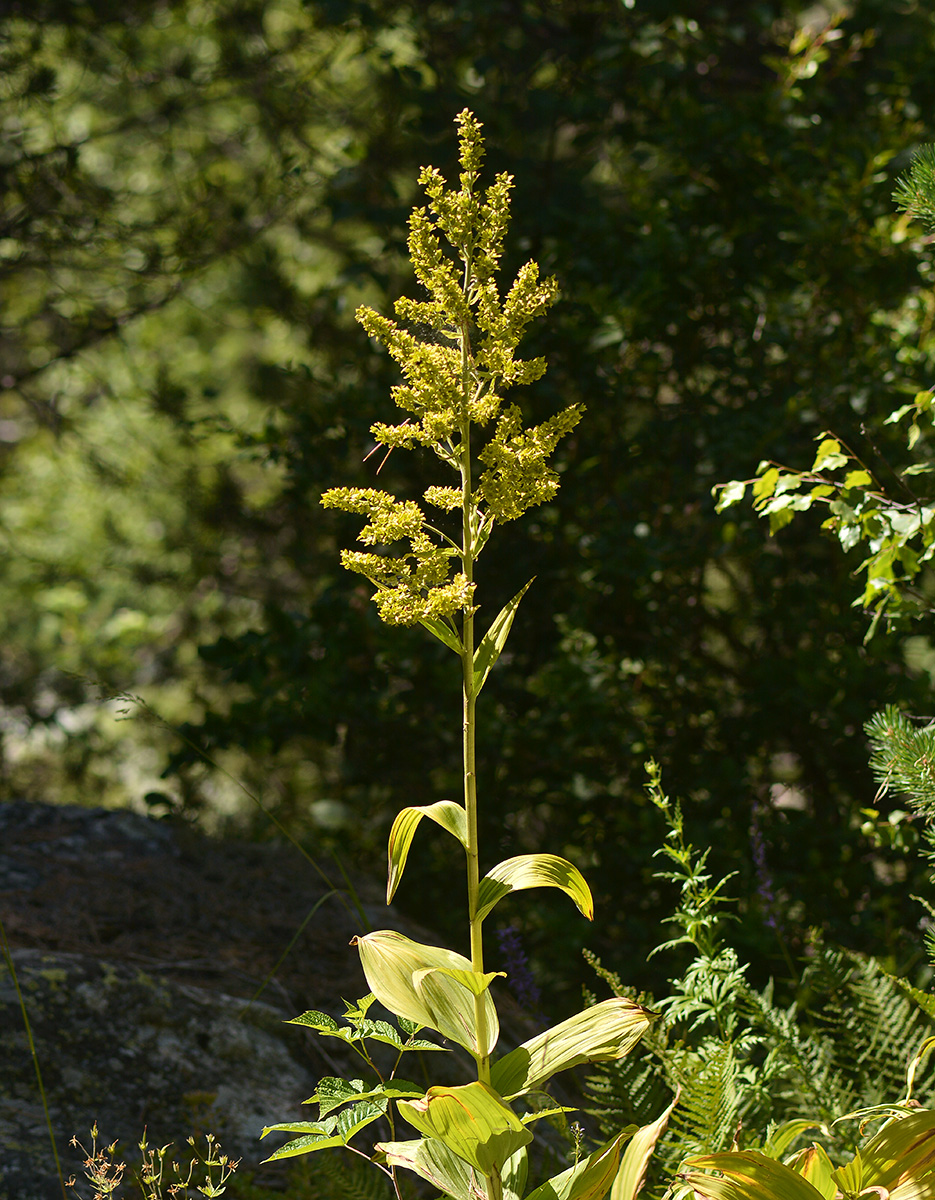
(198, 194)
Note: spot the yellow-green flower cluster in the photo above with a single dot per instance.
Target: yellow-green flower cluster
(456, 368)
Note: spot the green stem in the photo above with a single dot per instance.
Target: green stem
(469, 710)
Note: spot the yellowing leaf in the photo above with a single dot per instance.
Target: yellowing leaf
(748, 1175)
(475, 982)
(607, 1031)
(588, 1179)
(446, 813)
(451, 1004)
(472, 1121)
(857, 479)
(814, 1165)
(489, 650)
(391, 961)
(902, 1152)
(435, 1163)
(631, 1173)
(529, 871)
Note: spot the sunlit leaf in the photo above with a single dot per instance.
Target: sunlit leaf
(444, 633)
(529, 871)
(494, 640)
(437, 1165)
(748, 1175)
(450, 816)
(607, 1031)
(472, 1121)
(634, 1161)
(391, 961)
(589, 1179)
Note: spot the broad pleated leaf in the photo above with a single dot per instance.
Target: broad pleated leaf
(747, 1176)
(814, 1165)
(634, 1162)
(902, 1152)
(513, 1175)
(391, 961)
(494, 640)
(472, 1121)
(475, 982)
(446, 813)
(451, 1004)
(607, 1031)
(589, 1179)
(785, 1134)
(529, 871)
(435, 1163)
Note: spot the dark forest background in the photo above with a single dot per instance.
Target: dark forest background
(196, 195)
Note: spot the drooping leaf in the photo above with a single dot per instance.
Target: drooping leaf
(450, 816)
(747, 1175)
(494, 639)
(451, 1003)
(607, 1031)
(634, 1162)
(435, 1163)
(444, 633)
(390, 962)
(472, 1121)
(475, 982)
(529, 871)
(588, 1179)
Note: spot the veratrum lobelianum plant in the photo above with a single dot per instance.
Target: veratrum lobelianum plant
(473, 1137)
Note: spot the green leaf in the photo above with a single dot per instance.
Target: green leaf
(829, 456)
(489, 650)
(855, 479)
(450, 816)
(748, 1175)
(607, 1031)
(321, 1135)
(814, 1165)
(529, 871)
(475, 982)
(785, 1134)
(513, 1175)
(631, 1173)
(437, 1165)
(730, 493)
(903, 1151)
(444, 633)
(764, 486)
(589, 1179)
(390, 962)
(332, 1093)
(472, 1121)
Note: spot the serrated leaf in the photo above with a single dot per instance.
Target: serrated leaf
(588, 1179)
(634, 1162)
(747, 1175)
(607, 1031)
(444, 633)
(302, 1145)
(494, 640)
(435, 1163)
(450, 816)
(472, 1121)
(332, 1092)
(321, 1023)
(390, 962)
(529, 871)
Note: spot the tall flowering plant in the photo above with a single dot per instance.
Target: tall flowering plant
(456, 348)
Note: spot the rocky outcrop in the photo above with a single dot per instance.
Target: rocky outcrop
(138, 947)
